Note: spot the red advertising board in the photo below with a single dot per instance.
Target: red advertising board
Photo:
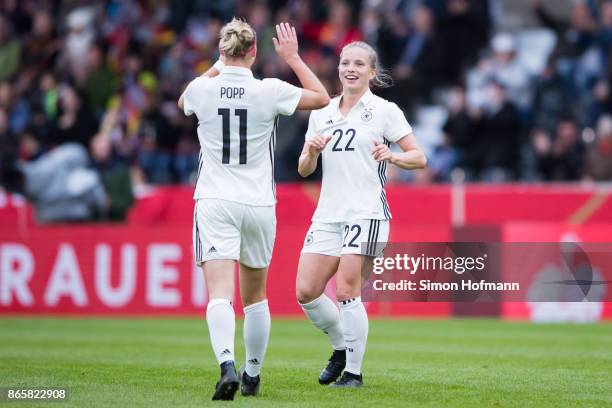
(146, 265)
(88, 269)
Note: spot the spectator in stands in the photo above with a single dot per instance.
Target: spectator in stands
(15, 105)
(422, 63)
(81, 36)
(153, 48)
(75, 123)
(7, 139)
(100, 82)
(559, 158)
(574, 36)
(49, 96)
(604, 36)
(10, 50)
(158, 142)
(598, 157)
(499, 130)
(115, 175)
(60, 185)
(502, 67)
(580, 61)
(551, 99)
(259, 19)
(40, 48)
(464, 31)
(461, 133)
(29, 145)
(337, 31)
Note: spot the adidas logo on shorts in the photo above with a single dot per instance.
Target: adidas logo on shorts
(212, 249)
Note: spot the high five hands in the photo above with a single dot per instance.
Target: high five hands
(285, 42)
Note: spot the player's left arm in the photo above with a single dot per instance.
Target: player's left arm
(410, 158)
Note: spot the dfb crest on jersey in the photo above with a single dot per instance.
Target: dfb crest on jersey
(309, 239)
(366, 116)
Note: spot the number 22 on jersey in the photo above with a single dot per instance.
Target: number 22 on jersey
(340, 146)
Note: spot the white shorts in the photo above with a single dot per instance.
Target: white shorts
(229, 230)
(360, 237)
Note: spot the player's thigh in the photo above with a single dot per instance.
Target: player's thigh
(318, 260)
(362, 241)
(219, 277)
(252, 284)
(257, 235)
(216, 230)
(314, 271)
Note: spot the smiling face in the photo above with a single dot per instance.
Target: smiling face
(355, 69)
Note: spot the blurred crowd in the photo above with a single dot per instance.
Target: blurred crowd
(507, 119)
(103, 77)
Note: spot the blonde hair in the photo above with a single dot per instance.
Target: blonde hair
(382, 78)
(236, 38)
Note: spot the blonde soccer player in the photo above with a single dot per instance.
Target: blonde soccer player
(234, 219)
(351, 222)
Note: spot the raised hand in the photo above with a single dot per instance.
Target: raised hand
(285, 42)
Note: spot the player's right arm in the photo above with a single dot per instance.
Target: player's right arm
(314, 144)
(307, 163)
(314, 94)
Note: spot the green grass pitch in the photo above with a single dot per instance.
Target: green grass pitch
(412, 363)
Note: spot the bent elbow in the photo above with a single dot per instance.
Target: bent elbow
(303, 170)
(423, 161)
(323, 100)
(303, 173)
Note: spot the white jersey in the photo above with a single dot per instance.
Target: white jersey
(237, 129)
(353, 182)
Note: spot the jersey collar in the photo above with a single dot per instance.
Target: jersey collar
(366, 98)
(233, 70)
(337, 117)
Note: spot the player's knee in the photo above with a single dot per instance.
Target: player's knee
(343, 294)
(306, 293)
(252, 298)
(346, 289)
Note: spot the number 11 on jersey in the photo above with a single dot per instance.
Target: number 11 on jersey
(242, 132)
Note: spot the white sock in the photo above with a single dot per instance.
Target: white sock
(323, 313)
(221, 326)
(256, 335)
(354, 320)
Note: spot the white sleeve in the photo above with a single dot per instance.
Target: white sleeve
(312, 126)
(287, 96)
(396, 125)
(190, 96)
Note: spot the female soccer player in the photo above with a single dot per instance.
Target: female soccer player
(234, 216)
(351, 221)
